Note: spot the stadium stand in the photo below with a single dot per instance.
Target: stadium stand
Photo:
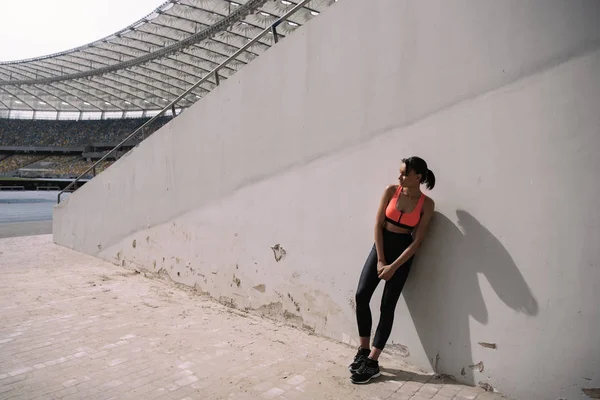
(56, 167)
(18, 132)
(35, 135)
(15, 162)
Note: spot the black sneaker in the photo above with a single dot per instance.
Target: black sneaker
(360, 356)
(367, 371)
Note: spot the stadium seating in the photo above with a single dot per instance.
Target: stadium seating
(18, 132)
(65, 134)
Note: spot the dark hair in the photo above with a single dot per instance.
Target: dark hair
(419, 165)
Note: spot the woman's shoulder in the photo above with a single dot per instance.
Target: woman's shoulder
(391, 190)
(428, 202)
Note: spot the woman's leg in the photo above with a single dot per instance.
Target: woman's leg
(393, 246)
(366, 287)
(391, 294)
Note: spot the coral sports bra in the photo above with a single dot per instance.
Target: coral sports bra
(400, 219)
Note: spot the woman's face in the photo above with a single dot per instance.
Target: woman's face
(410, 180)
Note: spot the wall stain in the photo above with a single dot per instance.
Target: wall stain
(486, 386)
(200, 291)
(296, 304)
(592, 393)
(279, 252)
(270, 310)
(261, 288)
(237, 281)
(463, 372)
(320, 300)
(274, 311)
(164, 274)
(309, 329)
(228, 301)
(397, 349)
(478, 366)
(295, 319)
(445, 378)
(203, 278)
(488, 345)
(134, 244)
(352, 303)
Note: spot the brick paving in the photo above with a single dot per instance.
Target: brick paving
(75, 327)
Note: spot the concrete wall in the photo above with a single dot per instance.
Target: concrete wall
(501, 98)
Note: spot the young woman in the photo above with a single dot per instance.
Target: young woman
(402, 219)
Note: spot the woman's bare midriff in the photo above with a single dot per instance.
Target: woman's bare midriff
(393, 228)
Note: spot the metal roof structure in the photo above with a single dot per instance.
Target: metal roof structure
(144, 66)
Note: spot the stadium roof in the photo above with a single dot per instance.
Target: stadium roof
(147, 64)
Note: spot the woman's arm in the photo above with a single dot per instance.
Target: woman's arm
(420, 234)
(380, 222)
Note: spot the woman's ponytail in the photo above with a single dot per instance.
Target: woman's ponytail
(429, 179)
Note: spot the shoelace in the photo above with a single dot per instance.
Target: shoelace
(364, 367)
(360, 354)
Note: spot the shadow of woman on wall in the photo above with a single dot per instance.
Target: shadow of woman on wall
(444, 291)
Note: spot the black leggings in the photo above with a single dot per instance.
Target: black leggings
(393, 245)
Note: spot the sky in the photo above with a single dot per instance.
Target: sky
(33, 28)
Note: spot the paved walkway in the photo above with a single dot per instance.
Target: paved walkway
(74, 327)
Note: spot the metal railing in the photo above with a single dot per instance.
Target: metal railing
(272, 29)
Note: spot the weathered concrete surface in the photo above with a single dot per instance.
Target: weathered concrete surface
(75, 327)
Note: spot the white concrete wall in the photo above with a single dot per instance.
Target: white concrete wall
(501, 98)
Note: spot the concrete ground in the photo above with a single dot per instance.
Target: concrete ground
(75, 327)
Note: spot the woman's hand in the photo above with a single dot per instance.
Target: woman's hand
(380, 265)
(386, 272)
